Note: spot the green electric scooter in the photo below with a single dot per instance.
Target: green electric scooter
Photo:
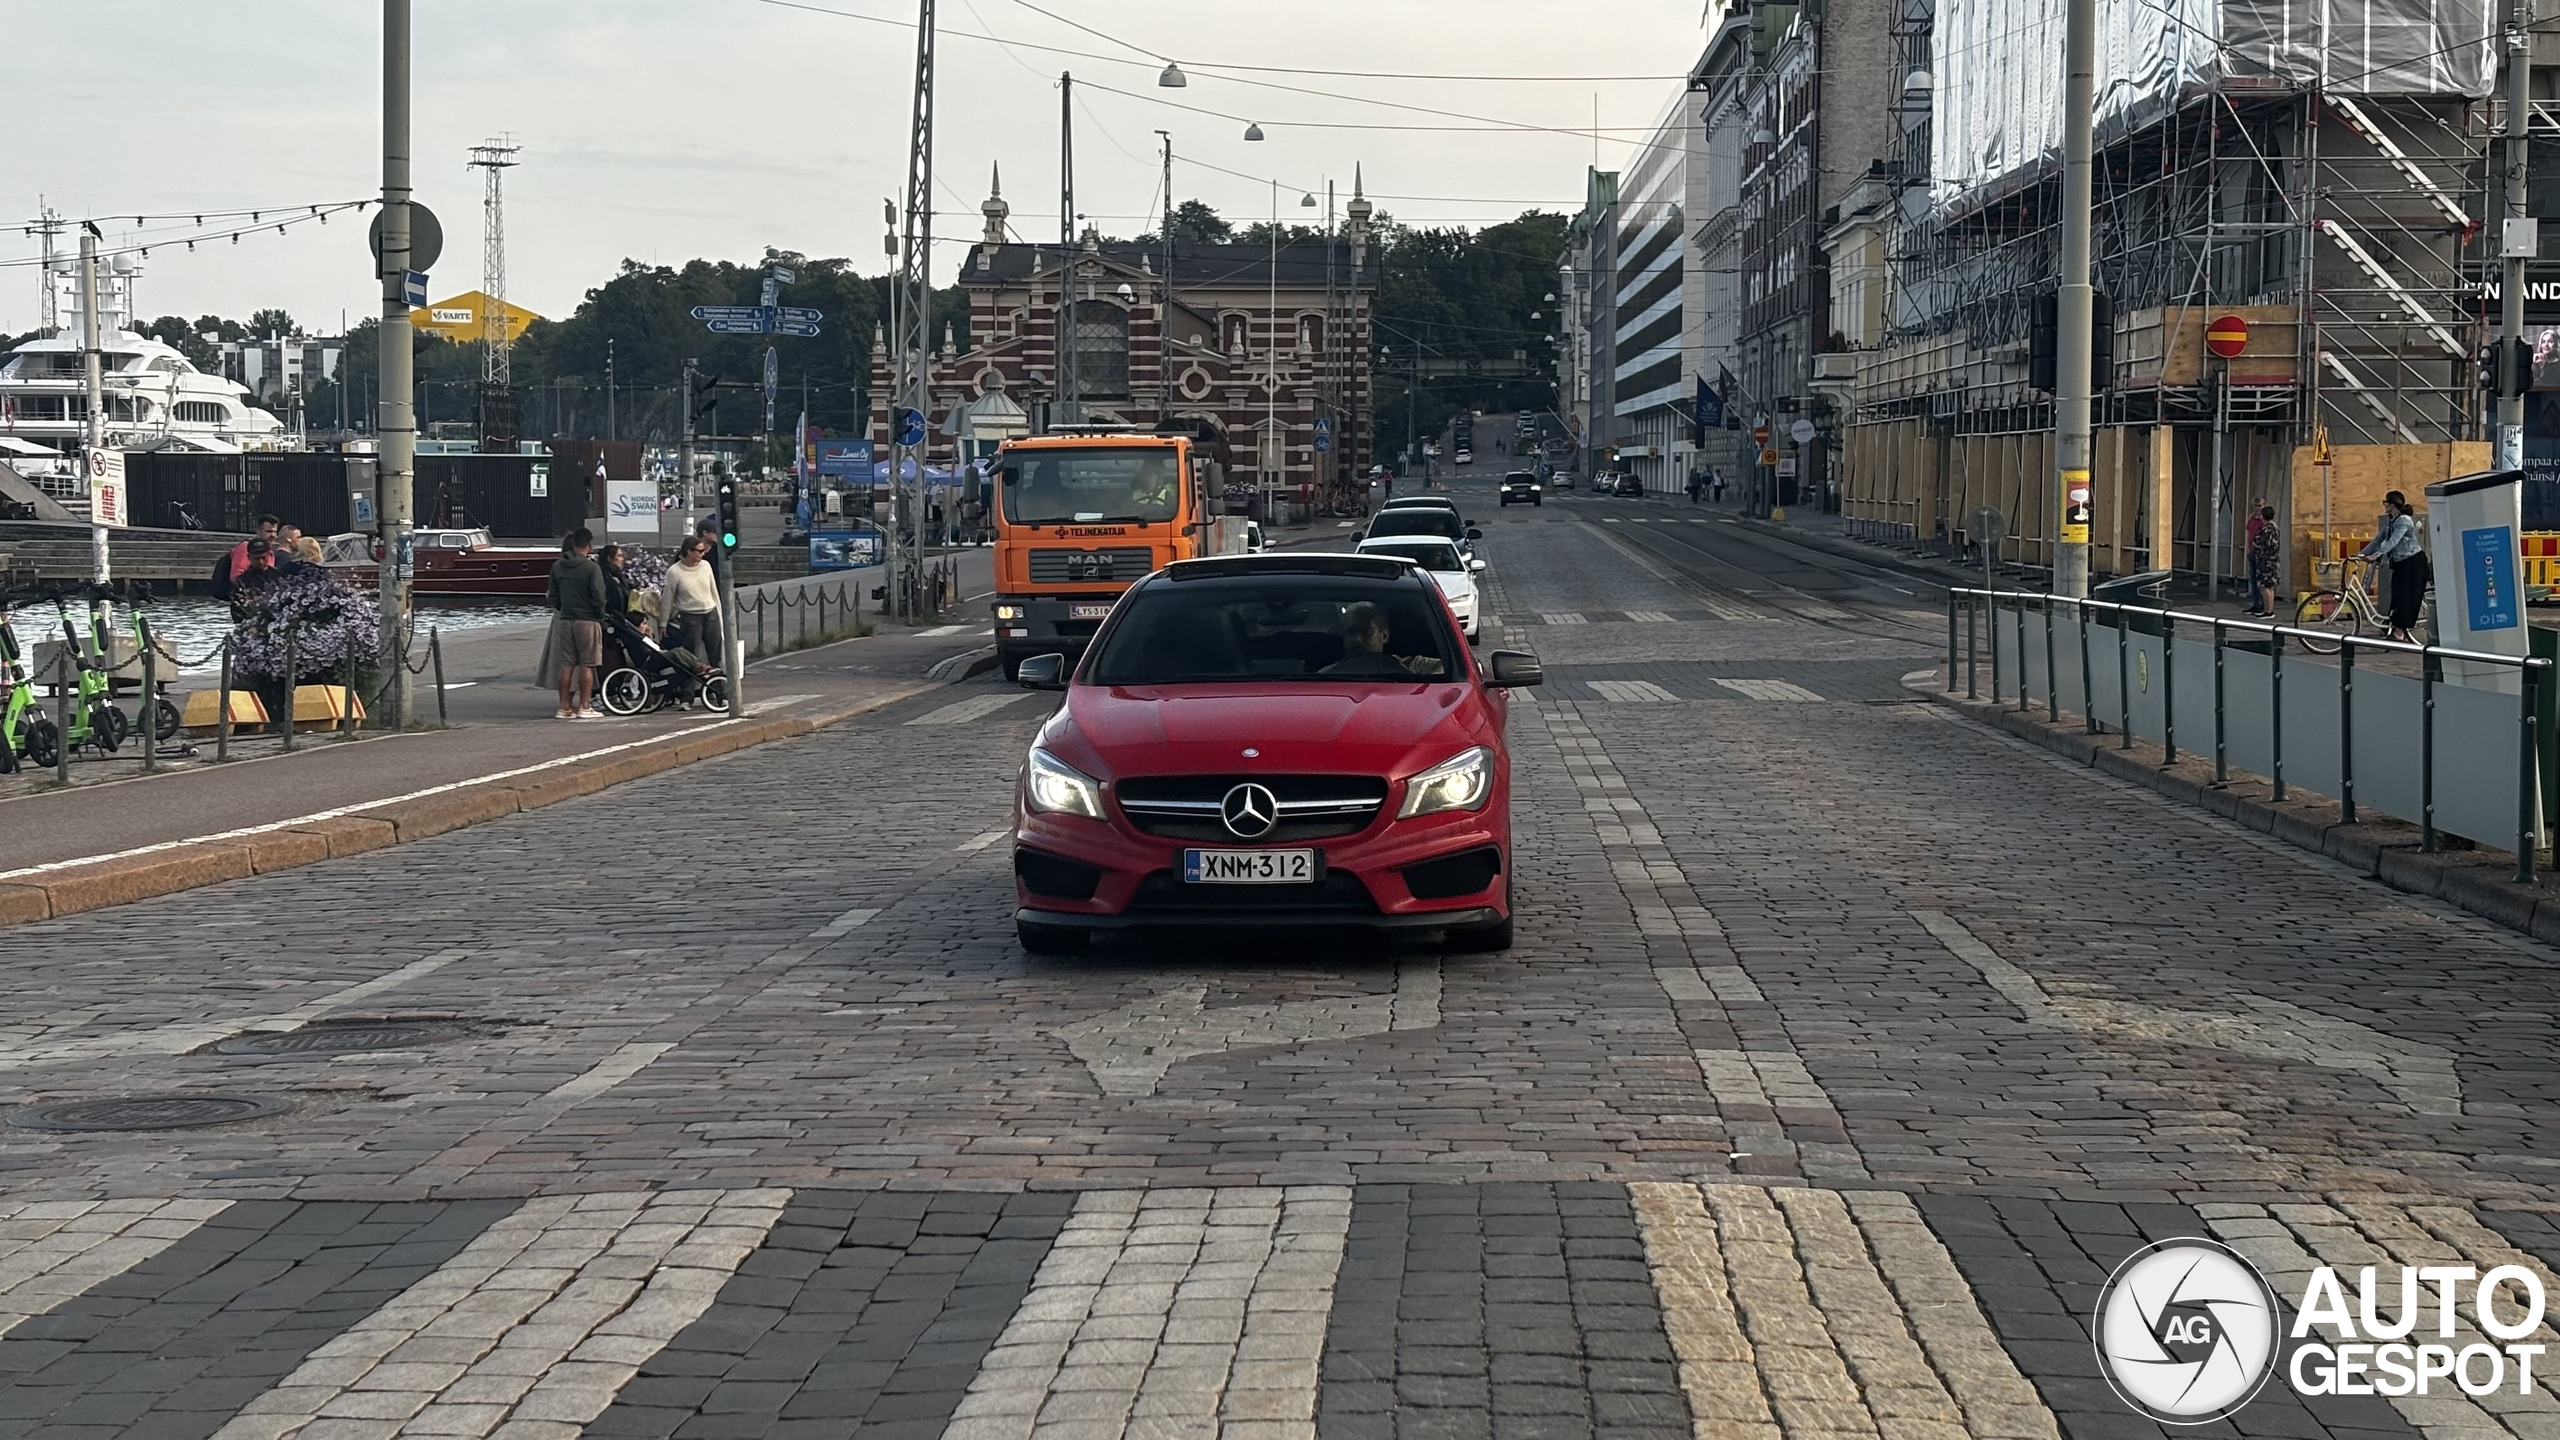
(95, 720)
(27, 734)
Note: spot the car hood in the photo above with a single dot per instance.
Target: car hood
(1298, 726)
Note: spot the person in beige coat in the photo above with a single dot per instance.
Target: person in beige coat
(691, 594)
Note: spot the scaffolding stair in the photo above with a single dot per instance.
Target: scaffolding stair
(2373, 402)
(2364, 128)
(2387, 281)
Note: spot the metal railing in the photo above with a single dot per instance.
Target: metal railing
(1975, 616)
(772, 614)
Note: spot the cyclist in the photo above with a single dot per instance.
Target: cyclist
(2395, 542)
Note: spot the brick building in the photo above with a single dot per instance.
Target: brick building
(1261, 356)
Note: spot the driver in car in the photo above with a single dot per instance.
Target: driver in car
(1365, 632)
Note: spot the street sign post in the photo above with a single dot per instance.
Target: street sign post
(1324, 434)
(1801, 432)
(796, 320)
(106, 488)
(413, 289)
(734, 319)
(2227, 336)
(910, 428)
(426, 238)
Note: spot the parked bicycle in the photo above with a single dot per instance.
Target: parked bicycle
(2345, 611)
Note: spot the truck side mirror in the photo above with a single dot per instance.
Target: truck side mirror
(1214, 503)
(1010, 475)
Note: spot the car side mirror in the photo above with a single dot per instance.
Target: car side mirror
(1476, 565)
(1505, 669)
(1042, 672)
(1473, 533)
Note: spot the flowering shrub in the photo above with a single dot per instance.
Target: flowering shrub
(328, 619)
(645, 569)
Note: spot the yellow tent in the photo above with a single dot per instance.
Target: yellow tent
(459, 318)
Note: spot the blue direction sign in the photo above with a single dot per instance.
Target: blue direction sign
(735, 319)
(413, 289)
(1324, 433)
(796, 320)
(910, 428)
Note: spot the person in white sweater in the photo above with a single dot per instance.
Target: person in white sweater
(691, 594)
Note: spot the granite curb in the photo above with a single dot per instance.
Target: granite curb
(74, 889)
(2480, 881)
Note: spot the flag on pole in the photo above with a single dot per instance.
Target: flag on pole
(800, 467)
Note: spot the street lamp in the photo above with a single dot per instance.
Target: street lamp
(1252, 131)
(1173, 78)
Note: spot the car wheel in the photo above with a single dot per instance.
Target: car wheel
(1049, 939)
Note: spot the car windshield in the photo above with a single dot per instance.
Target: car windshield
(1416, 522)
(1429, 554)
(1093, 487)
(1294, 627)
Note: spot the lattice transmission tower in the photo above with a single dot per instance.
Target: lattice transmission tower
(493, 159)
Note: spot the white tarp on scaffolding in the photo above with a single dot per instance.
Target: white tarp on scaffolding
(1996, 102)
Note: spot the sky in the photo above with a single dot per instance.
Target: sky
(662, 130)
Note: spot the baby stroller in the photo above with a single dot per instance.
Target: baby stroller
(654, 677)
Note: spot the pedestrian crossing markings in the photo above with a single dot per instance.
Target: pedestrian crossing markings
(1768, 690)
(1631, 691)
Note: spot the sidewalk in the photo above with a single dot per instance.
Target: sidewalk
(502, 728)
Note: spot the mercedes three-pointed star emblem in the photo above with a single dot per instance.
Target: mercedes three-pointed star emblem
(1250, 811)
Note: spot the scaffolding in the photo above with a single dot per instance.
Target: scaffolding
(2344, 225)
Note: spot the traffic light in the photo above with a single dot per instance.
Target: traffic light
(2515, 377)
(728, 512)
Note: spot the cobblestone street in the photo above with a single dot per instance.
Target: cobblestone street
(1846, 1048)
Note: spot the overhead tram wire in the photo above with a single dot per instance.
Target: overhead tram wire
(260, 223)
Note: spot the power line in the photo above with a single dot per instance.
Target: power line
(260, 222)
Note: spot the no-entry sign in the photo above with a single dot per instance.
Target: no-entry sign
(2227, 336)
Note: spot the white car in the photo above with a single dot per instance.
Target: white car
(1454, 573)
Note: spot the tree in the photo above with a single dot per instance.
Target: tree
(1259, 233)
(174, 332)
(272, 322)
(1194, 223)
(1446, 294)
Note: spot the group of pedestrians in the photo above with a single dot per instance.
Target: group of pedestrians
(1708, 481)
(588, 587)
(278, 548)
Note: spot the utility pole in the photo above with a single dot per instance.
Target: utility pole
(1278, 463)
(395, 415)
(610, 416)
(1165, 325)
(684, 458)
(2074, 348)
(98, 564)
(1070, 410)
(910, 346)
(2519, 245)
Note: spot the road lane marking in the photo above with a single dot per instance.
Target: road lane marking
(2420, 1075)
(612, 1070)
(939, 631)
(1631, 692)
(1564, 617)
(1780, 690)
(54, 1250)
(1129, 1050)
(979, 842)
(533, 1327)
(1170, 1312)
(1648, 617)
(961, 712)
(849, 920)
(179, 1039)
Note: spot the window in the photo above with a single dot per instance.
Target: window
(1326, 629)
(1101, 350)
(1092, 486)
(201, 412)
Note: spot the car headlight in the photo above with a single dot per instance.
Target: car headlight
(1051, 786)
(1008, 612)
(1461, 782)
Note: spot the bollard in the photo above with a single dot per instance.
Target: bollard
(222, 712)
(347, 691)
(2347, 731)
(822, 612)
(2168, 689)
(2527, 781)
(2221, 752)
(2426, 750)
(292, 672)
(1991, 632)
(148, 710)
(759, 625)
(435, 657)
(2275, 706)
(62, 714)
(2023, 702)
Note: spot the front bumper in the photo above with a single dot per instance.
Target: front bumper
(1049, 626)
(1070, 870)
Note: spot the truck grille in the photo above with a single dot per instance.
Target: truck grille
(1069, 567)
(1312, 807)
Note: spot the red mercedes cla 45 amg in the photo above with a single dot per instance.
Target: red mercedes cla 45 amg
(1271, 740)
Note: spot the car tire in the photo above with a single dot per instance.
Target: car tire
(1041, 939)
(1540, 502)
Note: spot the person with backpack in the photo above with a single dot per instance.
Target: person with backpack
(227, 570)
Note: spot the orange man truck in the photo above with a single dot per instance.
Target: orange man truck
(1080, 515)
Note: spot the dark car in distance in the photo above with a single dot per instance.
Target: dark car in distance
(1271, 741)
(1627, 484)
(1522, 485)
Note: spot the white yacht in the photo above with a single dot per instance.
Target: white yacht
(156, 399)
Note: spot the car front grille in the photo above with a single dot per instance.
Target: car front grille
(1312, 807)
(1069, 567)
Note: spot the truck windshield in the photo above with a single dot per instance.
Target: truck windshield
(1093, 487)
